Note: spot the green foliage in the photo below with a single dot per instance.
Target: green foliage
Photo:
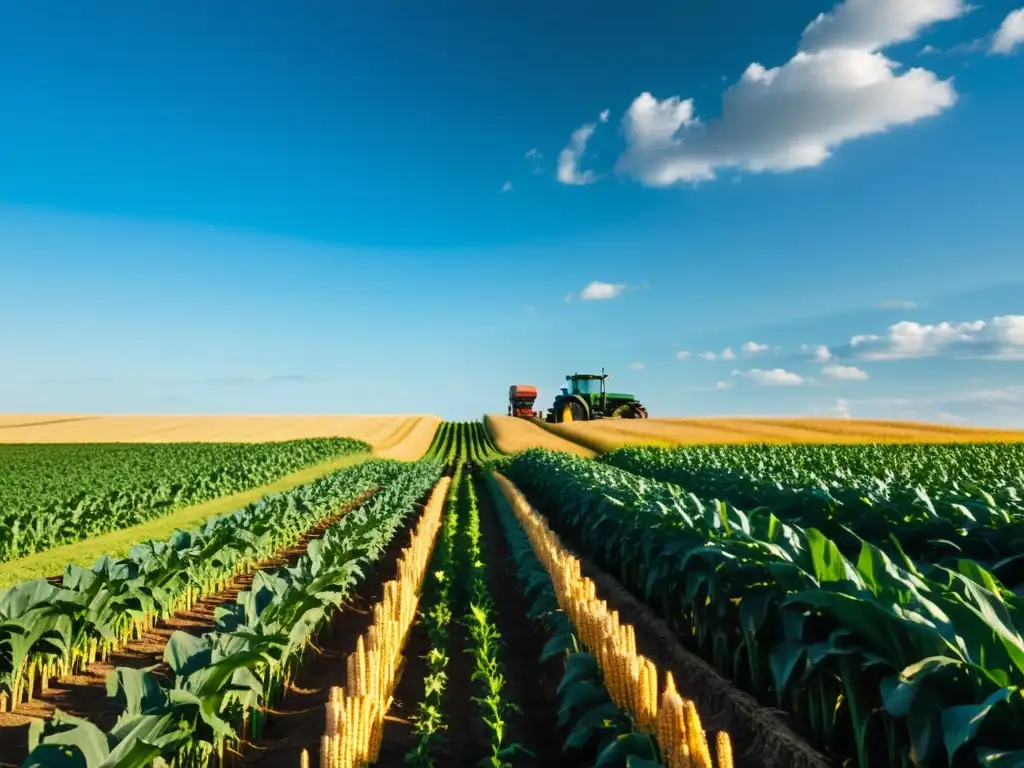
(225, 680)
(596, 728)
(436, 615)
(942, 502)
(59, 494)
(884, 660)
(64, 628)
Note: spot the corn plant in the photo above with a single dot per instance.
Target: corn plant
(943, 503)
(595, 725)
(226, 680)
(49, 631)
(437, 616)
(879, 660)
(52, 495)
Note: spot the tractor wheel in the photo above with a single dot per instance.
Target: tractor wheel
(570, 410)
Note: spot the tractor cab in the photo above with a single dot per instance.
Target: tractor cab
(586, 384)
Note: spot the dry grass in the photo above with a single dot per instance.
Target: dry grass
(609, 434)
(511, 434)
(395, 436)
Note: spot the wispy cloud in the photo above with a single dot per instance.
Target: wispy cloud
(569, 158)
(638, 366)
(818, 352)
(682, 355)
(258, 379)
(753, 348)
(506, 187)
(897, 304)
(844, 373)
(776, 377)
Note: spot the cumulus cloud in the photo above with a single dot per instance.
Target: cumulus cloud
(725, 354)
(604, 115)
(1000, 338)
(1010, 34)
(506, 187)
(728, 354)
(836, 88)
(753, 348)
(708, 356)
(598, 291)
(874, 24)
(776, 377)
(818, 352)
(682, 355)
(844, 373)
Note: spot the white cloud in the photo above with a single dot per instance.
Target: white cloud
(753, 348)
(841, 409)
(838, 87)
(604, 115)
(819, 352)
(728, 354)
(533, 154)
(708, 356)
(636, 366)
(1000, 338)
(1010, 33)
(896, 304)
(506, 187)
(844, 373)
(598, 291)
(682, 355)
(873, 24)
(569, 158)
(952, 418)
(723, 385)
(776, 377)
(568, 298)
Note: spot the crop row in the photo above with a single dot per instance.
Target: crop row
(49, 631)
(461, 441)
(224, 681)
(657, 732)
(938, 502)
(878, 660)
(59, 494)
(355, 714)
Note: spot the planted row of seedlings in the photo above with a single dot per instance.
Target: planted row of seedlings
(355, 713)
(226, 681)
(614, 690)
(49, 632)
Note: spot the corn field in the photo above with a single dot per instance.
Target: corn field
(692, 607)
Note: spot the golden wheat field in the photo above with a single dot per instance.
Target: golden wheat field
(609, 434)
(400, 437)
(511, 435)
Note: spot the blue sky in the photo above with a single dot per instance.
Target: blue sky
(406, 207)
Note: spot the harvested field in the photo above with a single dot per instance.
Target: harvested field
(384, 433)
(609, 434)
(512, 435)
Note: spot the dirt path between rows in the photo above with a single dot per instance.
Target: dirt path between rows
(530, 685)
(85, 695)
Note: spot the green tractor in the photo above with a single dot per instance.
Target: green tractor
(586, 399)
